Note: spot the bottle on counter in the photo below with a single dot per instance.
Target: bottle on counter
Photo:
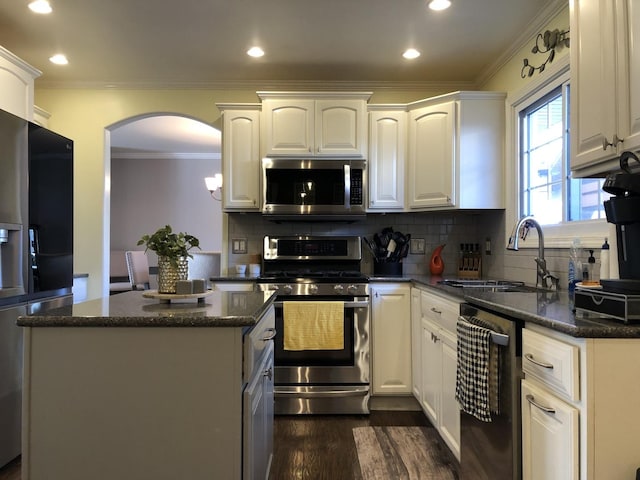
(604, 260)
(588, 269)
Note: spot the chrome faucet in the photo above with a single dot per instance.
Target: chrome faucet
(544, 279)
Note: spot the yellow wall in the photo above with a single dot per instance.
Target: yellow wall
(508, 79)
(84, 115)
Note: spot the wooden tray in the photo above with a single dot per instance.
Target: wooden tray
(169, 297)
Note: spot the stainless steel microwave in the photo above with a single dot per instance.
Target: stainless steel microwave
(298, 189)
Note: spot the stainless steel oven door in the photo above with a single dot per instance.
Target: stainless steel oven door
(325, 381)
(326, 367)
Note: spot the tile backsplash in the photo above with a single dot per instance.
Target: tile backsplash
(449, 228)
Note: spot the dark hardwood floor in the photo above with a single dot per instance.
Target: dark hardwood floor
(315, 447)
(321, 447)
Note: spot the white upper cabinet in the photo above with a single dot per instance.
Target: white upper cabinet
(314, 124)
(456, 151)
(386, 166)
(240, 157)
(16, 85)
(605, 92)
(431, 163)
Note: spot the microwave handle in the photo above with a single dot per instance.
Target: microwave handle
(347, 186)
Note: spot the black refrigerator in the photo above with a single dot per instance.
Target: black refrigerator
(36, 249)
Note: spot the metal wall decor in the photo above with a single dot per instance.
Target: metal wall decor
(546, 42)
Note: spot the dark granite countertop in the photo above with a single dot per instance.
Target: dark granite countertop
(131, 309)
(549, 309)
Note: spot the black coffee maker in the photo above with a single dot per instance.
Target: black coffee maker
(623, 210)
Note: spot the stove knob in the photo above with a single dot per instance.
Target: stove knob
(313, 289)
(287, 289)
(339, 289)
(352, 289)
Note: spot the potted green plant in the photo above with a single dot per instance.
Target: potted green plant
(173, 250)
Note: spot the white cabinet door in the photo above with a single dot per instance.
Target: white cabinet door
(605, 92)
(391, 334)
(549, 436)
(387, 140)
(308, 126)
(288, 126)
(450, 412)
(431, 372)
(340, 127)
(430, 177)
(241, 160)
(258, 421)
(629, 112)
(416, 340)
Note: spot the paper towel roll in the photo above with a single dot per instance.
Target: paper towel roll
(614, 268)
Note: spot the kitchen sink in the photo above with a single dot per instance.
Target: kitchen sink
(488, 285)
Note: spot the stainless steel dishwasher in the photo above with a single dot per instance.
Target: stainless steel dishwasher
(492, 450)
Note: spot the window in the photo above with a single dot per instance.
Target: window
(547, 190)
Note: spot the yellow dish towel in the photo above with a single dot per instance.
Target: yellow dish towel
(313, 325)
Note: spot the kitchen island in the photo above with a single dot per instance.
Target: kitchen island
(126, 387)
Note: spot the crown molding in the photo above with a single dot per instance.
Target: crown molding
(264, 85)
(549, 12)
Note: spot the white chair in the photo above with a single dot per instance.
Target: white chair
(138, 267)
(118, 273)
(204, 265)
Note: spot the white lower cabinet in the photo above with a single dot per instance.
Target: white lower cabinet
(391, 335)
(436, 355)
(580, 416)
(550, 442)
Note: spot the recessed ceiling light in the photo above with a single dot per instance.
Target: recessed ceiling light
(439, 4)
(40, 6)
(411, 53)
(255, 52)
(59, 59)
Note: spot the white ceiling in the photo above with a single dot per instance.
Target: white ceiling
(202, 43)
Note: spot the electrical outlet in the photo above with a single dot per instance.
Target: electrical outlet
(238, 245)
(417, 246)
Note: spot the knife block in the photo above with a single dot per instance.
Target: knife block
(470, 265)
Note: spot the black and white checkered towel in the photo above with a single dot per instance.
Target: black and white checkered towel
(472, 378)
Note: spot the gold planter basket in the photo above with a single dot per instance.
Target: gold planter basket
(169, 274)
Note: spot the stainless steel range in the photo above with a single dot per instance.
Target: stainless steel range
(323, 324)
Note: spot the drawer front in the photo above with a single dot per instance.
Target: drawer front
(442, 312)
(257, 340)
(553, 362)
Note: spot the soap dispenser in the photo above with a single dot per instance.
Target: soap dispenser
(587, 274)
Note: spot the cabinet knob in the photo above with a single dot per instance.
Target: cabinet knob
(614, 142)
(268, 373)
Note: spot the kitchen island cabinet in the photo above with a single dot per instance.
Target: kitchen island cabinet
(126, 387)
(605, 92)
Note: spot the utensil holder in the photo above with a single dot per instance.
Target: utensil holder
(387, 269)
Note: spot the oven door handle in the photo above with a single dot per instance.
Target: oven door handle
(351, 392)
(278, 304)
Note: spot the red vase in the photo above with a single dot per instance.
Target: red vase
(436, 264)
